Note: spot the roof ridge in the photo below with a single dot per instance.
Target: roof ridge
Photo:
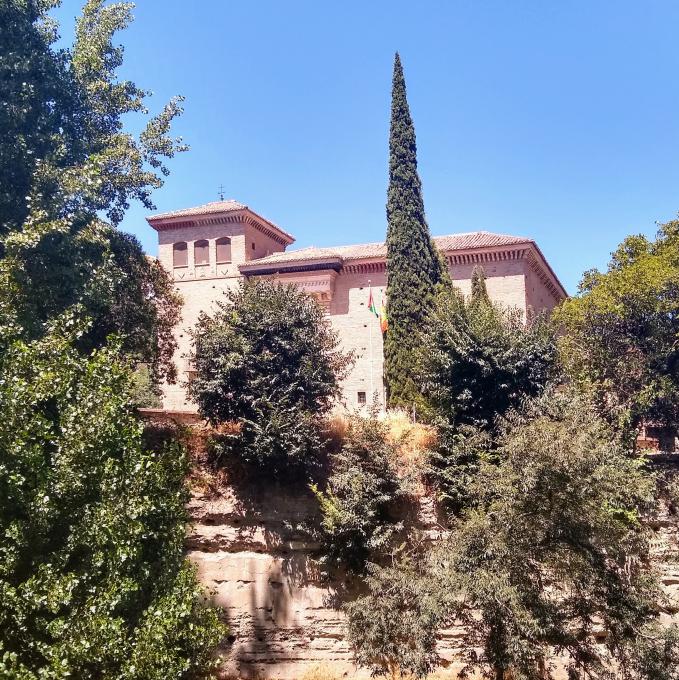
(458, 234)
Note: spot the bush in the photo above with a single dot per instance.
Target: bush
(479, 360)
(93, 579)
(555, 553)
(269, 361)
(359, 502)
(393, 629)
(144, 393)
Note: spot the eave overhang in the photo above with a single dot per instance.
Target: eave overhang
(244, 216)
(254, 268)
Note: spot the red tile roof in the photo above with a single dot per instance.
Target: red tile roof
(205, 209)
(366, 251)
(214, 208)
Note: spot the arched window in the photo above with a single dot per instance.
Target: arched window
(180, 255)
(201, 252)
(223, 250)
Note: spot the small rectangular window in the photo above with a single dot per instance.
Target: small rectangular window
(201, 252)
(223, 250)
(361, 398)
(180, 255)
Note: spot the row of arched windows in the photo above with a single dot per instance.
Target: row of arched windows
(201, 252)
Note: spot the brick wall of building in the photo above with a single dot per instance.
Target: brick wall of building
(510, 282)
(517, 276)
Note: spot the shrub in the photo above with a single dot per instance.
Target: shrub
(555, 553)
(144, 393)
(479, 360)
(93, 579)
(269, 361)
(359, 502)
(393, 629)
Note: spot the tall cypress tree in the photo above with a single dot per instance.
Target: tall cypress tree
(479, 290)
(414, 266)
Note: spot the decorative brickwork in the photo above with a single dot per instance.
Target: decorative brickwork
(517, 276)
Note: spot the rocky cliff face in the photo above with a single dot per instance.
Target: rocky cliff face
(252, 549)
(261, 568)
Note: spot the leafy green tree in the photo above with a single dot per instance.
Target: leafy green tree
(268, 361)
(358, 506)
(93, 578)
(414, 265)
(478, 360)
(554, 555)
(478, 283)
(65, 113)
(38, 103)
(69, 159)
(619, 335)
(93, 581)
(393, 628)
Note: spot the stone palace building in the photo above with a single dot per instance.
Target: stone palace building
(210, 248)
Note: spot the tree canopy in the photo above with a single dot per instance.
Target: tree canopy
(68, 160)
(477, 359)
(93, 578)
(414, 266)
(554, 554)
(619, 334)
(268, 361)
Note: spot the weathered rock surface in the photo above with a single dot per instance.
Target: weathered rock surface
(254, 552)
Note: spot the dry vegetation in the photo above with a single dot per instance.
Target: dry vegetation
(413, 441)
(324, 671)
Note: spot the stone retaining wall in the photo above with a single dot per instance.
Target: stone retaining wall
(252, 549)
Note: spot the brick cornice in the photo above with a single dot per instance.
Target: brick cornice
(234, 217)
(543, 271)
(528, 252)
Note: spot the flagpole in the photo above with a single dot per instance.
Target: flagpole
(370, 335)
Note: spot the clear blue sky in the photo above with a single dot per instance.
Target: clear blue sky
(554, 120)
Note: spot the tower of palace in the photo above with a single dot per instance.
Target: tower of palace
(210, 248)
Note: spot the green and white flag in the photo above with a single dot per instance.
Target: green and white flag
(372, 307)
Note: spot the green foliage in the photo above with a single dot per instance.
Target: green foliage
(359, 503)
(37, 103)
(619, 335)
(68, 159)
(454, 463)
(555, 548)
(108, 274)
(268, 361)
(654, 654)
(93, 580)
(414, 265)
(478, 283)
(143, 392)
(479, 360)
(70, 152)
(393, 628)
